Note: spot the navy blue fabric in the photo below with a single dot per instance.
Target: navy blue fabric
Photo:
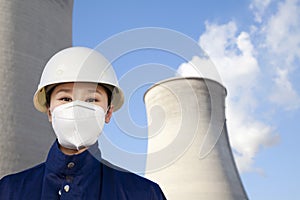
(76, 177)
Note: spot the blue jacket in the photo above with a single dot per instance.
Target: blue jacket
(76, 177)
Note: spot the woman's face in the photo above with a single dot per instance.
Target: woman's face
(87, 92)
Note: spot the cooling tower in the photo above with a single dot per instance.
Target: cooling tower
(189, 154)
(31, 32)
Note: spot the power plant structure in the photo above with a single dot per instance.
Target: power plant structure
(189, 154)
(31, 32)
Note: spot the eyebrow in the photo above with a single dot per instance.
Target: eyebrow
(70, 91)
(63, 90)
(97, 90)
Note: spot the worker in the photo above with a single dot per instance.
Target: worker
(78, 91)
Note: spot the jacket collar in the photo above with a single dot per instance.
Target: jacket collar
(82, 163)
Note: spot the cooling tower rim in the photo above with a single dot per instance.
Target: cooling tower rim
(184, 78)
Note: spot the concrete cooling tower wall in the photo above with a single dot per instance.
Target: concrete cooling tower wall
(189, 154)
(31, 32)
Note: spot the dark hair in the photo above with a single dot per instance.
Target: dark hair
(108, 93)
(52, 87)
(48, 94)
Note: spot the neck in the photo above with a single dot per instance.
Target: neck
(68, 151)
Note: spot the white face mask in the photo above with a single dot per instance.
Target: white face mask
(78, 124)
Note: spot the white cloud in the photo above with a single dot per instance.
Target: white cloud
(234, 56)
(258, 7)
(282, 32)
(248, 136)
(283, 93)
(199, 67)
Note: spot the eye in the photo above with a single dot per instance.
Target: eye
(67, 99)
(90, 100)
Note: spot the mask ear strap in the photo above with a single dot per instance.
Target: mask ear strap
(108, 107)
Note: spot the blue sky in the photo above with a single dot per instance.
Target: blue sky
(255, 46)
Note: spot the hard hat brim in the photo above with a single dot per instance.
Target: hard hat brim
(40, 100)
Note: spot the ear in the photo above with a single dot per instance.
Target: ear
(109, 114)
(49, 114)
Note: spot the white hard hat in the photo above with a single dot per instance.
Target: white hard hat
(78, 64)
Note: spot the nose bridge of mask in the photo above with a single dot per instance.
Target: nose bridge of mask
(83, 109)
(78, 110)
